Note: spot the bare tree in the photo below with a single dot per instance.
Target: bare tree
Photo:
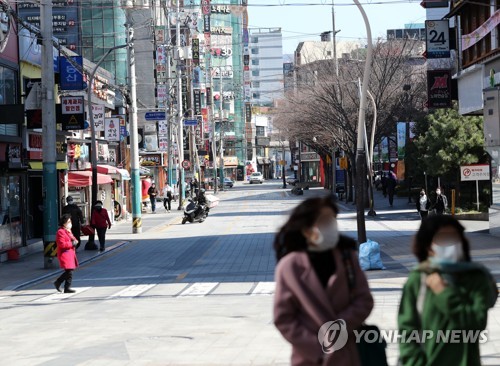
(322, 110)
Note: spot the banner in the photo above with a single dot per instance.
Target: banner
(469, 40)
(401, 140)
(112, 129)
(439, 88)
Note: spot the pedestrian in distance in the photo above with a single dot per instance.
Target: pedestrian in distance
(167, 197)
(446, 292)
(441, 203)
(76, 218)
(423, 205)
(392, 181)
(383, 180)
(101, 222)
(315, 265)
(153, 192)
(66, 254)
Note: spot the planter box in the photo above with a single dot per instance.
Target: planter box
(483, 216)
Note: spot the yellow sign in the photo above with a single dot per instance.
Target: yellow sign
(343, 163)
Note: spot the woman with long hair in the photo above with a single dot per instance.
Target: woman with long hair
(445, 293)
(315, 267)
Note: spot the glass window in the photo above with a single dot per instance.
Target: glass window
(255, 73)
(255, 61)
(8, 87)
(255, 51)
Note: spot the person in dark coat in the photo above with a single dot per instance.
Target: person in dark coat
(441, 203)
(383, 180)
(153, 192)
(66, 253)
(101, 222)
(76, 218)
(391, 186)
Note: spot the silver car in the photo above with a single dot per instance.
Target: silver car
(256, 177)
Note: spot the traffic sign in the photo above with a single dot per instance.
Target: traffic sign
(186, 164)
(475, 172)
(190, 122)
(154, 116)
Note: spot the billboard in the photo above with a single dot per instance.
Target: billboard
(439, 88)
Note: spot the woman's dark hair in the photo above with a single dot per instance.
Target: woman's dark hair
(64, 219)
(428, 229)
(290, 238)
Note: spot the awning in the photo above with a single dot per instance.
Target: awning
(83, 178)
(38, 165)
(124, 173)
(106, 169)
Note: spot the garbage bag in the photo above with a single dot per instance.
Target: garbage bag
(369, 256)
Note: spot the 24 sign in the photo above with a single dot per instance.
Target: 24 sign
(437, 38)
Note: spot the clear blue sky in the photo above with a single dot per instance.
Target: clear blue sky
(302, 23)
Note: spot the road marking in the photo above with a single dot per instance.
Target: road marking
(133, 291)
(117, 278)
(62, 296)
(199, 289)
(264, 288)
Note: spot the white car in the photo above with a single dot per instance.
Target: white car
(256, 177)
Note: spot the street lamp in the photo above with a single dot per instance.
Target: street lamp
(360, 158)
(93, 148)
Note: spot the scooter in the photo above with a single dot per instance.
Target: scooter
(194, 212)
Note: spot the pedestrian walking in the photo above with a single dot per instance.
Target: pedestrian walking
(167, 197)
(441, 203)
(153, 192)
(76, 218)
(383, 180)
(423, 205)
(66, 254)
(315, 265)
(101, 222)
(392, 181)
(445, 293)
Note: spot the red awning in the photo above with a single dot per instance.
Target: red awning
(83, 178)
(106, 169)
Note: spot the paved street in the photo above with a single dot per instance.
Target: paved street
(196, 294)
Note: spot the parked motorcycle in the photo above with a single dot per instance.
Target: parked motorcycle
(195, 212)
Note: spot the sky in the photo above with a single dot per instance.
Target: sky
(303, 23)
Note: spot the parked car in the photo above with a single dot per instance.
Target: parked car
(228, 182)
(291, 180)
(256, 177)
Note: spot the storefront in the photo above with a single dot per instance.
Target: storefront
(311, 170)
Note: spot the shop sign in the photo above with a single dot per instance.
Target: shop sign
(112, 129)
(98, 111)
(439, 88)
(72, 113)
(151, 160)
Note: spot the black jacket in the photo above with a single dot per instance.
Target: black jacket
(76, 214)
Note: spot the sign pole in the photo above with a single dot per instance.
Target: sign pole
(477, 194)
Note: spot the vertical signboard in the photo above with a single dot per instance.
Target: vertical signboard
(195, 49)
(71, 77)
(437, 38)
(401, 140)
(98, 111)
(197, 101)
(72, 113)
(112, 129)
(248, 112)
(439, 88)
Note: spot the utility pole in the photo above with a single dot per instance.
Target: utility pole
(134, 135)
(168, 103)
(50, 199)
(336, 63)
(221, 132)
(179, 107)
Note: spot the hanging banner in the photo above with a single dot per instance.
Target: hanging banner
(209, 96)
(206, 23)
(98, 112)
(469, 40)
(401, 140)
(112, 129)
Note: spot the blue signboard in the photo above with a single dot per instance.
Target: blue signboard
(190, 122)
(71, 78)
(154, 116)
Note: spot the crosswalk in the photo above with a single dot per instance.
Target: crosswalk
(172, 290)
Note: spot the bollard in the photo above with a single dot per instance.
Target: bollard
(452, 202)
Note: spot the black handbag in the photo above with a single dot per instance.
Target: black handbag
(370, 353)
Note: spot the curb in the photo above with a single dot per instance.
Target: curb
(89, 260)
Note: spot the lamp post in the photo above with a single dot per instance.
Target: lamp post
(93, 143)
(372, 212)
(360, 157)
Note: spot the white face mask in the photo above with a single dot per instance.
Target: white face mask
(68, 225)
(438, 192)
(325, 238)
(450, 253)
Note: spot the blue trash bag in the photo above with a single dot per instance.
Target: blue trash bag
(369, 256)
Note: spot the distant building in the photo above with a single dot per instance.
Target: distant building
(311, 51)
(266, 55)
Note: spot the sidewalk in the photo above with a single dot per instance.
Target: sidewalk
(29, 268)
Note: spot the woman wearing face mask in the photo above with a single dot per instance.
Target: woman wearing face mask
(423, 205)
(66, 254)
(445, 292)
(312, 286)
(101, 222)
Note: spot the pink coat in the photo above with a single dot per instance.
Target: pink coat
(66, 252)
(302, 305)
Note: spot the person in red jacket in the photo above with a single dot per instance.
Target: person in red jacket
(66, 253)
(101, 222)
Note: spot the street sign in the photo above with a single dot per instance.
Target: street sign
(154, 116)
(190, 122)
(186, 164)
(71, 78)
(72, 113)
(475, 172)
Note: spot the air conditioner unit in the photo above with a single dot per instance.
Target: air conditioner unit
(151, 143)
(150, 128)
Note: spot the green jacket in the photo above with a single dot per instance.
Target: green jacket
(463, 305)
